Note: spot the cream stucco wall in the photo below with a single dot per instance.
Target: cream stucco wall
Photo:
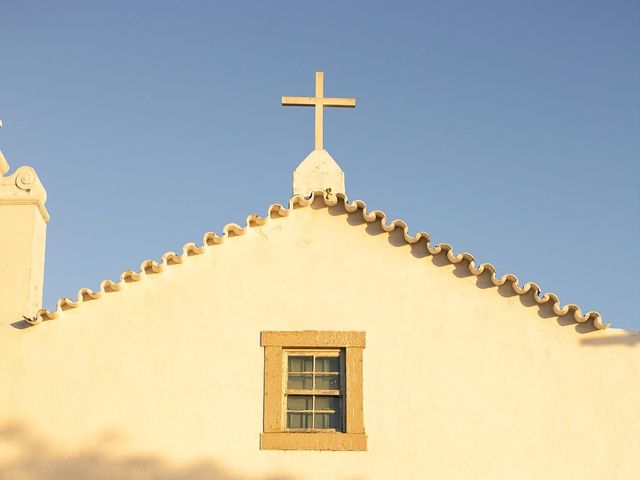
(461, 379)
(23, 225)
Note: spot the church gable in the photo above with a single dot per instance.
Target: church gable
(361, 223)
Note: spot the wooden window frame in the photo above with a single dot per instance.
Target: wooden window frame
(338, 393)
(275, 435)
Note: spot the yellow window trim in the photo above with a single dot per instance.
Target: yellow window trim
(275, 436)
(335, 441)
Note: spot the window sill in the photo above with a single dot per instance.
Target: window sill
(335, 441)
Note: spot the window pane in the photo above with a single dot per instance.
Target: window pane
(298, 420)
(300, 364)
(300, 382)
(327, 382)
(299, 402)
(327, 364)
(327, 403)
(327, 420)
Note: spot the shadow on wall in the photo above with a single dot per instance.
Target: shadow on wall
(25, 455)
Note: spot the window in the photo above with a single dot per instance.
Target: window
(313, 391)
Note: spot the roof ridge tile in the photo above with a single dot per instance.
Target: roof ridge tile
(277, 210)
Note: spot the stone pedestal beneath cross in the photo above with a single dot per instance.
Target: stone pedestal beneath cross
(319, 171)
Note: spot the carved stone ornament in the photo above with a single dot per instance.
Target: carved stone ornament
(22, 187)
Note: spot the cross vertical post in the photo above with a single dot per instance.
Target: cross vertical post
(319, 102)
(319, 110)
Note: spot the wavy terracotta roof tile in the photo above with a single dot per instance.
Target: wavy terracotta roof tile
(277, 210)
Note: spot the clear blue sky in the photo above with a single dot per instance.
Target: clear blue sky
(508, 129)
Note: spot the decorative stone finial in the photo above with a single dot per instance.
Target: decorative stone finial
(4, 165)
(22, 187)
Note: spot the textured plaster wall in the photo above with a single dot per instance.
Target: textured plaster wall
(461, 379)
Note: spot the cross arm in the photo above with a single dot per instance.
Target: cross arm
(299, 101)
(339, 102)
(311, 101)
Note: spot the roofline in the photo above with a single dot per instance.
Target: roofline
(253, 220)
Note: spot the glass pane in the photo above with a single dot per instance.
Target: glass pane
(327, 420)
(299, 402)
(327, 382)
(301, 364)
(327, 403)
(327, 364)
(298, 420)
(300, 382)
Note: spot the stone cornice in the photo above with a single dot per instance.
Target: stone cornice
(23, 187)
